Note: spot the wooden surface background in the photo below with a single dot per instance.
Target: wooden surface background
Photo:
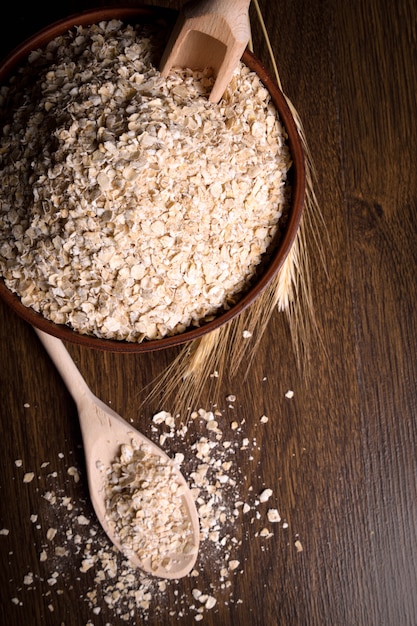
(340, 456)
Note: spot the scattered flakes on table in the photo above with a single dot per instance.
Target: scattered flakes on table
(215, 477)
(161, 417)
(196, 593)
(50, 533)
(73, 471)
(273, 516)
(52, 580)
(298, 545)
(50, 496)
(28, 477)
(265, 495)
(210, 602)
(289, 394)
(43, 556)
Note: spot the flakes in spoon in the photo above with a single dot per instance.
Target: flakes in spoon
(145, 506)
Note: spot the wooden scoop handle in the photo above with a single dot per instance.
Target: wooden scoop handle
(234, 13)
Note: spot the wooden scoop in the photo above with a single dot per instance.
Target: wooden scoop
(209, 33)
(103, 432)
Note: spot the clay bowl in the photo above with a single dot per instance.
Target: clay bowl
(278, 255)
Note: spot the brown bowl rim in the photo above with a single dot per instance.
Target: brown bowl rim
(41, 38)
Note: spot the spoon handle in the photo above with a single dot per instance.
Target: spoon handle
(62, 360)
(233, 8)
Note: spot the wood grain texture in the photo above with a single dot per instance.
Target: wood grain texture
(341, 454)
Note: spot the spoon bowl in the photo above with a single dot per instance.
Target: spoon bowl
(104, 432)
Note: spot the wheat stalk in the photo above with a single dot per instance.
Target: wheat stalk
(198, 362)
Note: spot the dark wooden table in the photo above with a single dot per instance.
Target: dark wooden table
(340, 455)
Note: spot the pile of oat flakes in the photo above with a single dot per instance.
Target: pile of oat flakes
(213, 465)
(131, 207)
(145, 509)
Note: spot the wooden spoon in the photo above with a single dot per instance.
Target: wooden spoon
(209, 33)
(103, 432)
